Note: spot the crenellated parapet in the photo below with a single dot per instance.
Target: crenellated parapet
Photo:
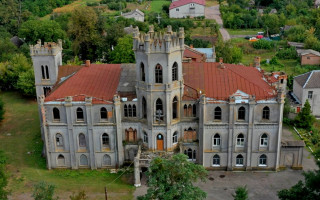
(46, 49)
(152, 42)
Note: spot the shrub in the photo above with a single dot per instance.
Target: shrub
(263, 44)
(44, 191)
(287, 53)
(304, 119)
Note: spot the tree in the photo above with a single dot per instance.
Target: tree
(80, 196)
(305, 119)
(241, 193)
(26, 83)
(229, 53)
(46, 30)
(172, 179)
(307, 190)
(3, 175)
(271, 23)
(44, 191)
(123, 52)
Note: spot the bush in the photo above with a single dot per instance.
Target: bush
(305, 119)
(287, 53)
(44, 191)
(263, 44)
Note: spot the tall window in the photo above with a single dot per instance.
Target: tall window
(59, 140)
(175, 72)
(216, 160)
(46, 91)
(158, 73)
(56, 114)
(217, 113)
(175, 108)
(310, 93)
(189, 110)
(134, 111)
(103, 113)
(79, 114)
(129, 111)
(266, 113)
(159, 110)
(194, 110)
(105, 140)
(145, 137)
(264, 140)
(240, 140)
(47, 72)
(143, 75)
(144, 108)
(216, 140)
(175, 138)
(239, 160)
(241, 113)
(263, 160)
(83, 160)
(192, 155)
(43, 72)
(82, 140)
(125, 110)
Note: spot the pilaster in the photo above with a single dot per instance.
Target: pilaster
(252, 104)
(202, 119)
(232, 117)
(119, 146)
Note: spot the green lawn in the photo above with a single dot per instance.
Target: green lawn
(20, 139)
(244, 31)
(156, 6)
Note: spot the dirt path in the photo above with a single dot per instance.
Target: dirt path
(214, 13)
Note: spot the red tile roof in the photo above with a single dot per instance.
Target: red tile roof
(97, 81)
(184, 2)
(193, 54)
(219, 83)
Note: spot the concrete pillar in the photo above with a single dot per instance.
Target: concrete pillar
(252, 105)
(281, 97)
(45, 131)
(89, 115)
(202, 119)
(232, 117)
(119, 146)
(72, 137)
(137, 182)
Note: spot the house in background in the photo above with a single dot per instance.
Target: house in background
(199, 54)
(135, 14)
(317, 3)
(307, 86)
(309, 56)
(187, 8)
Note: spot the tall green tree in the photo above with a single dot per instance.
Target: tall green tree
(271, 23)
(172, 179)
(26, 83)
(309, 189)
(241, 193)
(44, 191)
(229, 52)
(305, 119)
(123, 52)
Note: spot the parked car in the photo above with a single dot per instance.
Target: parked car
(247, 37)
(253, 39)
(259, 36)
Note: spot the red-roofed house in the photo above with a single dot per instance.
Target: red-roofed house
(224, 116)
(187, 8)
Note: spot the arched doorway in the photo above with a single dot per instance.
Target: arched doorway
(160, 142)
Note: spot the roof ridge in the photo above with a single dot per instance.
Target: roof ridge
(308, 79)
(303, 74)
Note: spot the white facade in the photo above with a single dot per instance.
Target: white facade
(187, 10)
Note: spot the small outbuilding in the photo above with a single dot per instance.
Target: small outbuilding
(309, 56)
(135, 14)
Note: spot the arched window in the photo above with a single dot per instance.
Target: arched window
(217, 113)
(83, 160)
(185, 110)
(134, 111)
(194, 110)
(59, 140)
(106, 160)
(145, 137)
(43, 72)
(129, 111)
(189, 110)
(175, 108)
(194, 155)
(240, 140)
(56, 114)
(103, 113)
(144, 108)
(82, 140)
(241, 113)
(159, 110)
(125, 110)
(61, 160)
(264, 140)
(239, 160)
(216, 160)
(190, 154)
(266, 113)
(263, 160)
(175, 138)
(79, 114)
(158, 73)
(47, 72)
(105, 140)
(143, 75)
(175, 72)
(216, 140)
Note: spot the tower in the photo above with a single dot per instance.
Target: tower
(159, 82)
(46, 58)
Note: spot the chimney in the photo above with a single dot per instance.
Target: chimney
(257, 62)
(87, 63)
(220, 60)
(221, 65)
(191, 46)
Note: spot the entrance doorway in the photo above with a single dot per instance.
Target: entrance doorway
(159, 142)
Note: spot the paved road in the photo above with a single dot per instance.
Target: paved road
(261, 185)
(214, 13)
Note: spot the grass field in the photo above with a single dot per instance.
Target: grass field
(210, 3)
(156, 6)
(20, 139)
(244, 31)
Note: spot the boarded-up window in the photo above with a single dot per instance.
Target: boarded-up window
(106, 161)
(131, 135)
(61, 160)
(190, 135)
(83, 160)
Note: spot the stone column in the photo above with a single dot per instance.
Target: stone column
(252, 104)
(281, 97)
(119, 147)
(137, 182)
(231, 132)
(89, 113)
(45, 131)
(202, 120)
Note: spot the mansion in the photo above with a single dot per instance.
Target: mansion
(222, 116)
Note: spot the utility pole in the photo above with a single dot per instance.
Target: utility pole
(106, 193)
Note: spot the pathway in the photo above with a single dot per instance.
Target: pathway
(214, 13)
